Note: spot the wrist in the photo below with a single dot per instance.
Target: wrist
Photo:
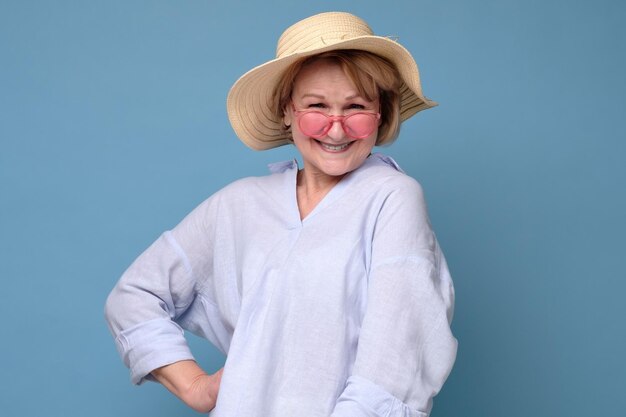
(179, 377)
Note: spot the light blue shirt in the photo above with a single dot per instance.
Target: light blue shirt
(345, 313)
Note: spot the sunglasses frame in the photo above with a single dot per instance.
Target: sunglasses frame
(331, 119)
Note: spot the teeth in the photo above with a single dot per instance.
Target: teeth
(335, 148)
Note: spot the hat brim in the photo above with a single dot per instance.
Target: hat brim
(250, 100)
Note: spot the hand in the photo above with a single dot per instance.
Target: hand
(191, 384)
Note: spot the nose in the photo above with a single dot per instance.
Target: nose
(336, 131)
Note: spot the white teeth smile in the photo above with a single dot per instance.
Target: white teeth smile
(335, 148)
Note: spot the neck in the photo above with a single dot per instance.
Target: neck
(312, 188)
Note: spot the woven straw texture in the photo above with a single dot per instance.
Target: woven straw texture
(249, 102)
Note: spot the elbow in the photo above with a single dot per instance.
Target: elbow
(112, 311)
(439, 358)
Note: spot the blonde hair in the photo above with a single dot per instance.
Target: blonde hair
(373, 76)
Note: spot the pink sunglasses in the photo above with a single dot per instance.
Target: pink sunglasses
(316, 124)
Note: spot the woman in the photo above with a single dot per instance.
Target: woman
(325, 285)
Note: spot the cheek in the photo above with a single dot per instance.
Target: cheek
(363, 149)
(370, 142)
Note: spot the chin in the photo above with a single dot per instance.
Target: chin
(339, 169)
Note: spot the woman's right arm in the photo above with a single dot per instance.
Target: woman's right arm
(143, 308)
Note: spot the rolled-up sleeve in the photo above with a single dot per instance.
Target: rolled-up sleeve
(406, 348)
(143, 308)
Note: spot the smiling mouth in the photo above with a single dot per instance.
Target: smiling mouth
(334, 148)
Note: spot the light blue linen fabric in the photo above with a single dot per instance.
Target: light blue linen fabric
(345, 313)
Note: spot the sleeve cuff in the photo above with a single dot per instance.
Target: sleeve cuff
(151, 345)
(363, 398)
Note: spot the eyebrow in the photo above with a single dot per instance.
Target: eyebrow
(313, 95)
(321, 97)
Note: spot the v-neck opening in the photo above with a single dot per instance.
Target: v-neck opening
(292, 184)
(329, 198)
(335, 192)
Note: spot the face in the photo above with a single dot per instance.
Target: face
(323, 86)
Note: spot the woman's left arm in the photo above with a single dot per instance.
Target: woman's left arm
(406, 349)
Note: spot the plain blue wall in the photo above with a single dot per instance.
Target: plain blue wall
(113, 127)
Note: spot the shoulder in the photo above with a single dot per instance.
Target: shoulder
(244, 197)
(256, 194)
(383, 174)
(249, 186)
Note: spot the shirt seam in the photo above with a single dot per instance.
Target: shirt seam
(398, 259)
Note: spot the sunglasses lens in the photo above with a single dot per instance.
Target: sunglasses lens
(313, 124)
(360, 125)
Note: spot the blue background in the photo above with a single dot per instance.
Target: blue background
(113, 127)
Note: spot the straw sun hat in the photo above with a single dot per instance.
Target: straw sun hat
(249, 102)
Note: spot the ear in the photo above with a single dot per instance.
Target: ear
(288, 117)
